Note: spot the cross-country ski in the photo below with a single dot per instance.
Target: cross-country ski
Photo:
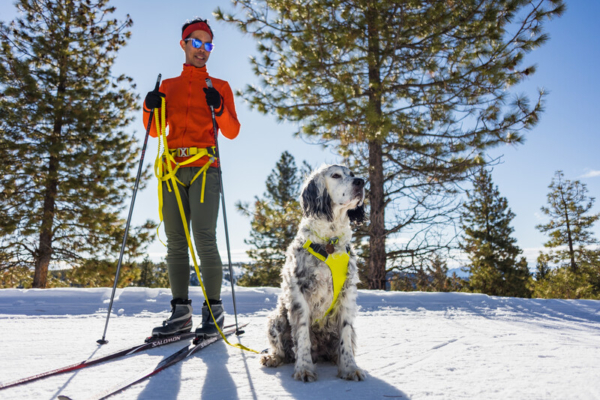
(149, 343)
(174, 358)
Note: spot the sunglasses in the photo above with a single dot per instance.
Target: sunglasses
(197, 44)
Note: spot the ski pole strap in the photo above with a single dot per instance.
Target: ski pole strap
(338, 265)
(165, 171)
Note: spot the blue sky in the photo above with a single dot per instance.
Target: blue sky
(566, 138)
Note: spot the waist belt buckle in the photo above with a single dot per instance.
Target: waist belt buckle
(182, 152)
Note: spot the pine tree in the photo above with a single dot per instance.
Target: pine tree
(412, 93)
(570, 225)
(438, 271)
(66, 160)
(94, 272)
(487, 240)
(275, 220)
(153, 275)
(542, 266)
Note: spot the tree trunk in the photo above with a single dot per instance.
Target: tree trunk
(569, 238)
(44, 253)
(377, 251)
(571, 251)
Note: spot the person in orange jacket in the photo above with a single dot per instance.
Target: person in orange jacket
(188, 117)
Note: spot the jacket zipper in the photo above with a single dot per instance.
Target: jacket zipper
(187, 110)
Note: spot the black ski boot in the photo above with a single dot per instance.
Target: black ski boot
(180, 320)
(208, 327)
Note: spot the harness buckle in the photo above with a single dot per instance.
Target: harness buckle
(182, 152)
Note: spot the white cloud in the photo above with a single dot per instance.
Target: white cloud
(592, 173)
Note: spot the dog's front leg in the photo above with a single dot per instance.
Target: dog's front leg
(347, 368)
(304, 369)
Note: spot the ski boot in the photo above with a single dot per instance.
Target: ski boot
(180, 320)
(208, 327)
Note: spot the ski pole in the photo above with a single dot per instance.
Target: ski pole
(217, 154)
(135, 189)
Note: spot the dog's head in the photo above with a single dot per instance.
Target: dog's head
(331, 191)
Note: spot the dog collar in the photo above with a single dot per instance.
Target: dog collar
(338, 265)
(331, 242)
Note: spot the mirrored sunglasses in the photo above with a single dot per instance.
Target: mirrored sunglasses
(197, 44)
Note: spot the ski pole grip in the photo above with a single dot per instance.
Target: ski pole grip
(212, 109)
(157, 82)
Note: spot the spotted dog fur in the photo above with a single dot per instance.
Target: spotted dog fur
(332, 198)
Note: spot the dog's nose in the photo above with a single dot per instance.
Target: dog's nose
(358, 182)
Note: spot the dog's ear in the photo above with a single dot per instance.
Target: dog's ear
(316, 201)
(357, 215)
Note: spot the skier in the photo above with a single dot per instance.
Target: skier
(188, 100)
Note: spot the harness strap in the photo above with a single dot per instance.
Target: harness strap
(338, 265)
(320, 250)
(161, 130)
(164, 172)
(316, 250)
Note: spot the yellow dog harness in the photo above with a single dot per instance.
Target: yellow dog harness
(337, 263)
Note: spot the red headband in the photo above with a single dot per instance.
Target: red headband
(198, 26)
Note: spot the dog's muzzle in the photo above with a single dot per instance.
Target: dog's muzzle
(358, 186)
(358, 183)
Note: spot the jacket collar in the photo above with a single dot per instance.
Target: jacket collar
(195, 72)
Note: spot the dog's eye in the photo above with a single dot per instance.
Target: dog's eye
(336, 176)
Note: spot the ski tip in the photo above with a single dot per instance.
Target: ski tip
(100, 342)
(61, 397)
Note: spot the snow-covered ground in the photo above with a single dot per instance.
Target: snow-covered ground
(412, 345)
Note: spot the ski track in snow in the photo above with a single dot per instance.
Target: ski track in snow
(412, 346)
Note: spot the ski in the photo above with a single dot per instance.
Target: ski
(150, 343)
(173, 359)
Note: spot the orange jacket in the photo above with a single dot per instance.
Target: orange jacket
(188, 116)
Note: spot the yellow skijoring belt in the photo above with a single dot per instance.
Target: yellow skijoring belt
(164, 171)
(338, 265)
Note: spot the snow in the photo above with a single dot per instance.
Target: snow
(412, 346)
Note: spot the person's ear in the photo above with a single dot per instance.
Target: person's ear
(182, 44)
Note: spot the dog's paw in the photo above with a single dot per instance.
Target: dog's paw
(305, 375)
(355, 374)
(271, 360)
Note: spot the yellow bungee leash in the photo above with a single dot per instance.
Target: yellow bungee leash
(159, 171)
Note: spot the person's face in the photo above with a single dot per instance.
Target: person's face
(193, 56)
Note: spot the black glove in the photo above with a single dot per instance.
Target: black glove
(153, 99)
(213, 97)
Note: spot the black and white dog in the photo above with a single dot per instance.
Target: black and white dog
(298, 329)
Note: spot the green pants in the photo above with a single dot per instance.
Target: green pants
(204, 224)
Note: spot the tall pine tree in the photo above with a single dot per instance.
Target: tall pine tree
(411, 92)
(66, 160)
(275, 220)
(570, 221)
(488, 242)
